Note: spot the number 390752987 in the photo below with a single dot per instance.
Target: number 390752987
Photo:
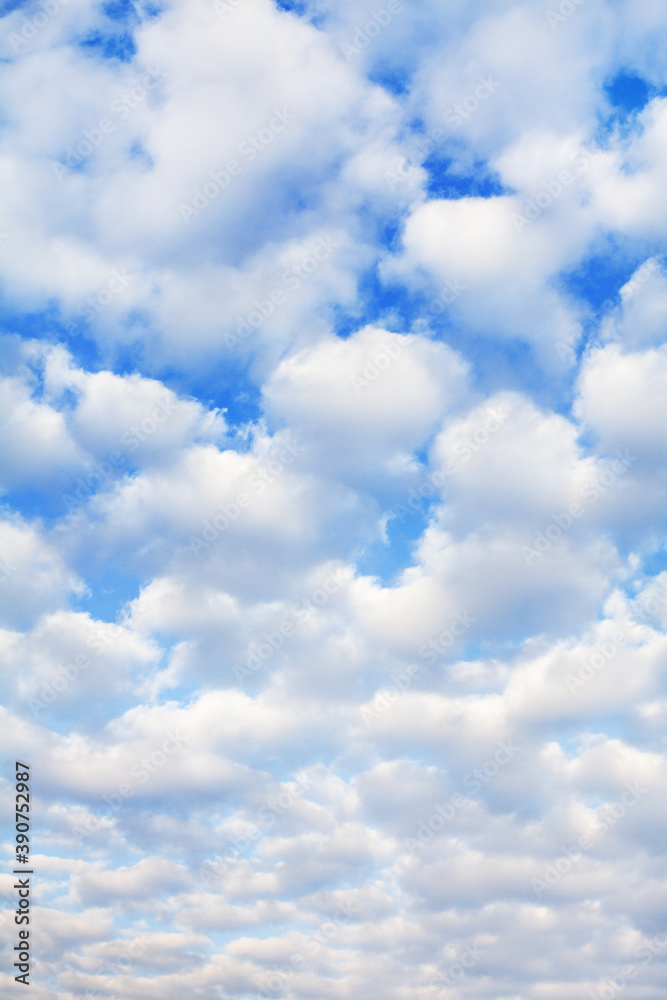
(22, 806)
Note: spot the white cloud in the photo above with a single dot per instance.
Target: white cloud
(375, 393)
(361, 651)
(34, 577)
(622, 400)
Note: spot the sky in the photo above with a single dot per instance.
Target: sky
(333, 566)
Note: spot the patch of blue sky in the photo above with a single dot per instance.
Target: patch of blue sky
(314, 743)
(599, 277)
(597, 280)
(9, 6)
(187, 686)
(110, 589)
(111, 45)
(120, 10)
(273, 925)
(226, 385)
(337, 877)
(126, 921)
(71, 163)
(445, 182)
(132, 12)
(124, 355)
(138, 151)
(628, 93)
(99, 708)
(47, 324)
(508, 365)
(615, 726)
(137, 812)
(499, 364)
(292, 6)
(568, 731)
(37, 502)
(394, 78)
(392, 304)
(387, 559)
(655, 562)
(309, 10)
(635, 538)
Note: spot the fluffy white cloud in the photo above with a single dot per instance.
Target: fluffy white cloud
(641, 319)
(622, 400)
(375, 393)
(35, 578)
(363, 490)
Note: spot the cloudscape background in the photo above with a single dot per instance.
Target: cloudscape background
(332, 541)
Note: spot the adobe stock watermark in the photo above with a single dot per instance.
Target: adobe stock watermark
(470, 954)
(279, 979)
(236, 847)
(476, 439)
(374, 368)
(565, 9)
(260, 653)
(454, 117)
(120, 966)
(249, 149)
(438, 646)
(404, 679)
(230, 510)
(616, 984)
(608, 817)
(606, 650)
(91, 139)
(364, 34)
(141, 772)
(66, 675)
(459, 113)
(648, 607)
(131, 439)
(473, 782)
(384, 698)
(32, 26)
(590, 493)
(7, 569)
(464, 449)
(90, 307)
(603, 653)
(450, 292)
(224, 8)
(291, 280)
(552, 190)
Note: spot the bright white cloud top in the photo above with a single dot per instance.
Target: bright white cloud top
(333, 553)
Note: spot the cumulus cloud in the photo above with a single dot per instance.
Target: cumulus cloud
(332, 546)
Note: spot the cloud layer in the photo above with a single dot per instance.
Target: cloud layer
(332, 540)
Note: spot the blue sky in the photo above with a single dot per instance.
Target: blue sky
(332, 530)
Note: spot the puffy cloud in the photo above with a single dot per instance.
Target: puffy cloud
(148, 134)
(375, 392)
(71, 662)
(622, 400)
(641, 319)
(35, 578)
(375, 608)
